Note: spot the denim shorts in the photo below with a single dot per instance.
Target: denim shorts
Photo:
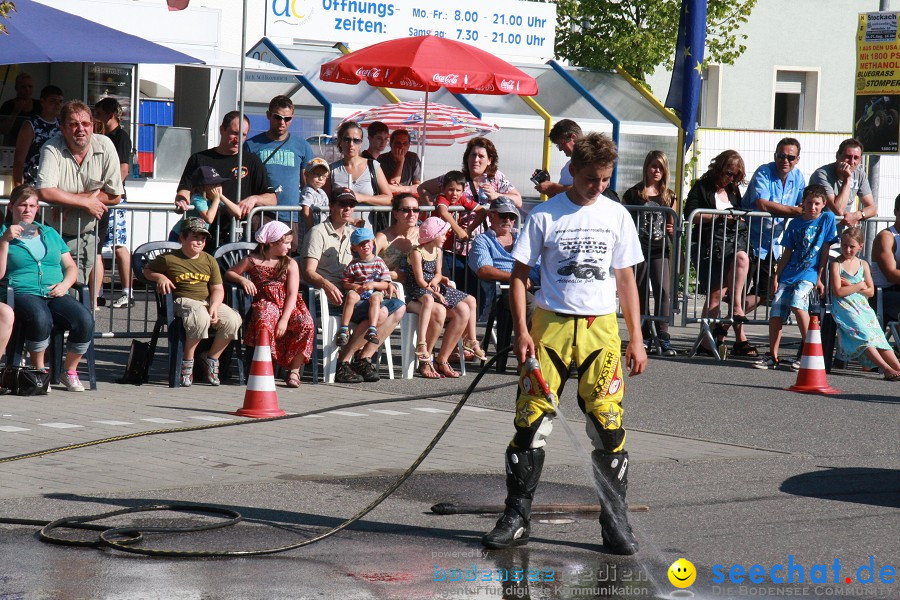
(791, 296)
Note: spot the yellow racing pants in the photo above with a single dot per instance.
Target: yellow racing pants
(593, 344)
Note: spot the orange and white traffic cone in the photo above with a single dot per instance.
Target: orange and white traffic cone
(811, 379)
(261, 399)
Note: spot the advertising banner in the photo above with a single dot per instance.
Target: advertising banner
(503, 27)
(876, 116)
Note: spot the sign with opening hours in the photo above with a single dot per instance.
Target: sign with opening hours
(503, 27)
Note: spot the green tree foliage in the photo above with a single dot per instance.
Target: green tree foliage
(5, 7)
(640, 35)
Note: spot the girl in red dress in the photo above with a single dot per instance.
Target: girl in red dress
(273, 279)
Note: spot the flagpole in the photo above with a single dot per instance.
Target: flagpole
(240, 166)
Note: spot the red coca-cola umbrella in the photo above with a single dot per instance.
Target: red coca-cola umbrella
(427, 63)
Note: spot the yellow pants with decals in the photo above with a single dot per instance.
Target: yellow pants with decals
(593, 344)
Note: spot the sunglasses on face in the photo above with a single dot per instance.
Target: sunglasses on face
(783, 156)
(280, 118)
(347, 204)
(410, 210)
(351, 140)
(507, 216)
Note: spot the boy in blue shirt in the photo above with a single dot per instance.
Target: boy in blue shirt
(800, 269)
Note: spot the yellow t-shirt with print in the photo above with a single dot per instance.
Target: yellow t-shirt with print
(191, 276)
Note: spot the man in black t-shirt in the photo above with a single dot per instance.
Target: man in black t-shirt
(15, 111)
(256, 190)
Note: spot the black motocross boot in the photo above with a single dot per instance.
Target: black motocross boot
(611, 474)
(523, 471)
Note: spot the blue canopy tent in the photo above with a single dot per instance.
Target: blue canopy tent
(39, 34)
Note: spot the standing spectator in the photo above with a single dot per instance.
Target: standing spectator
(326, 253)
(800, 270)
(721, 254)
(402, 168)
(194, 278)
(844, 179)
(563, 135)
(362, 175)
(776, 188)
(36, 130)
(861, 335)
(284, 156)
(15, 111)
(273, 279)
(462, 224)
(36, 263)
(114, 225)
(655, 231)
(256, 190)
(79, 173)
(579, 227)
(379, 134)
(314, 195)
(886, 266)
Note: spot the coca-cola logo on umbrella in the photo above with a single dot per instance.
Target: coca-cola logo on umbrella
(448, 79)
(373, 72)
(507, 85)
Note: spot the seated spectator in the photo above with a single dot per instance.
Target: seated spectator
(402, 168)
(886, 266)
(655, 231)
(41, 286)
(326, 253)
(313, 196)
(425, 278)
(194, 278)
(273, 279)
(462, 224)
(366, 280)
(490, 256)
(393, 245)
(844, 180)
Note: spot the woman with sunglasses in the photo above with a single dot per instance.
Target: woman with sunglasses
(720, 243)
(393, 245)
(353, 170)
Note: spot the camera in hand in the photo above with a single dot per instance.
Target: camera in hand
(540, 176)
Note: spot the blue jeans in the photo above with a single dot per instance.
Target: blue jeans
(39, 315)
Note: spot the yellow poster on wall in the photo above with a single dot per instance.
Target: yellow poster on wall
(876, 116)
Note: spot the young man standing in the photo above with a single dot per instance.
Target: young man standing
(587, 245)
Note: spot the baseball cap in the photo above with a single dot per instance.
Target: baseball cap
(206, 175)
(317, 163)
(196, 225)
(345, 195)
(504, 204)
(361, 235)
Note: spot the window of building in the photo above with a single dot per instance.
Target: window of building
(795, 104)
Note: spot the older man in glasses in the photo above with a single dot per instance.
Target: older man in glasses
(256, 190)
(285, 157)
(776, 188)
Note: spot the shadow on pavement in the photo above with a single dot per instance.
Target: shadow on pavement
(875, 487)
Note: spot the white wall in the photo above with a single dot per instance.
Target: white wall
(804, 34)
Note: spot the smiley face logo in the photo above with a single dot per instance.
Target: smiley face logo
(682, 573)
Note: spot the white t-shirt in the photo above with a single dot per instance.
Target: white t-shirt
(579, 246)
(565, 177)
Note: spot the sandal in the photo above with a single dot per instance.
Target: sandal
(740, 319)
(445, 369)
(473, 347)
(893, 376)
(293, 379)
(426, 369)
(422, 353)
(744, 348)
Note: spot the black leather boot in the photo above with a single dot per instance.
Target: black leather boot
(611, 474)
(523, 472)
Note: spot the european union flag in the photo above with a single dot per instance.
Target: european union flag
(684, 91)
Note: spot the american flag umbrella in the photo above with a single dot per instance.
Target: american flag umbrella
(442, 125)
(427, 63)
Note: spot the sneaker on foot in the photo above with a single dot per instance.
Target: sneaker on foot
(766, 362)
(123, 301)
(71, 381)
(187, 373)
(794, 364)
(667, 348)
(372, 335)
(364, 367)
(212, 370)
(345, 374)
(342, 337)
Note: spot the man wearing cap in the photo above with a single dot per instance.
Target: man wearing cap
(284, 156)
(256, 190)
(79, 173)
(196, 282)
(326, 253)
(490, 256)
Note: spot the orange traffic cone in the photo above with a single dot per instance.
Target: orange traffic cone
(811, 378)
(261, 399)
